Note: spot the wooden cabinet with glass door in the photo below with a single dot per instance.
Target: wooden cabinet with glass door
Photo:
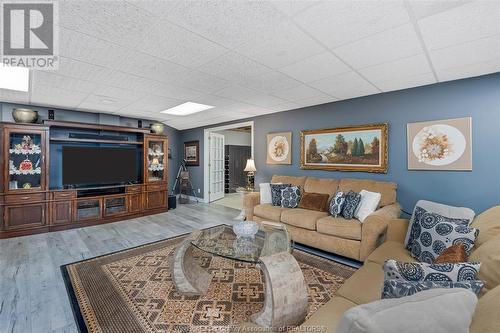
(24, 179)
(156, 171)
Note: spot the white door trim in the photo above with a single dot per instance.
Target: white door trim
(206, 159)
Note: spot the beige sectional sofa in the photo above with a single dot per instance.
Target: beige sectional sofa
(349, 238)
(366, 284)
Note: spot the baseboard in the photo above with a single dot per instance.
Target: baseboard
(193, 199)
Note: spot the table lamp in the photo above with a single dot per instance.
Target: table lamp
(250, 169)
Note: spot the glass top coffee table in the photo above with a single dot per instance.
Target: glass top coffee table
(270, 249)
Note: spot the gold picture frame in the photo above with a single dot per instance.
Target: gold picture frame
(338, 149)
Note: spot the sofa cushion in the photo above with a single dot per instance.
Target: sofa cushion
(296, 181)
(386, 189)
(365, 285)
(302, 218)
(321, 185)
(314, 201)
(486, 318)
(268, 211)
(390, 250)
(489, 256)
(488, 222)
(340, 227)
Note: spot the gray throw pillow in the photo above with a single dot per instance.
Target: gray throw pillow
(352, 200)
(438, 310)
(397, 288)
(420, 272)
(336, 204)
(290, 197)
(276, 193)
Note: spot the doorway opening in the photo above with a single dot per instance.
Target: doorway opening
(226, 150)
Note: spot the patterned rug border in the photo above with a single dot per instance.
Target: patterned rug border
(75, 306)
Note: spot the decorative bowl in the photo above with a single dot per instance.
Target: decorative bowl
(25, 115)
(245, 229)
(157, 128)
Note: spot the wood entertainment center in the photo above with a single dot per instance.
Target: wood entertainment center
(32, 198)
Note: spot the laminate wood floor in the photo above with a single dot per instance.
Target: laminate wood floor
(32, 293)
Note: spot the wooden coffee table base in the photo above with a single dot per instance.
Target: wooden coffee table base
(286, 302)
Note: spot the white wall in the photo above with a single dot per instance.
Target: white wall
(236, 138)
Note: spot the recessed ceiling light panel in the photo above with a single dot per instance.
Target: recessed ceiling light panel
(187, 108)
(14, 78)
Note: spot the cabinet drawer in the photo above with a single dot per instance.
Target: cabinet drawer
(134, 189)
(24, 198)
(157, 187)
(64, 195)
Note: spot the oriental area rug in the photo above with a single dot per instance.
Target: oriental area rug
(132, 290)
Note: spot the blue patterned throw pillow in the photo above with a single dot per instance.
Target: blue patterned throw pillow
(415, 227)
(336, 204)
(397, 289)
(436, 234)
(421, 272)
(352, 200)
(276, 193)
(290, 197)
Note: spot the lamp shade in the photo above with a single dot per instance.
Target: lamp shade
(250, 166)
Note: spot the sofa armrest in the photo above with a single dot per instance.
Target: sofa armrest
(250, 200)
(374, 228)
(396, 230)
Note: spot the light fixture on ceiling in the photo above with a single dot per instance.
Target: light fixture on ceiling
(14, 78)
(187, 108)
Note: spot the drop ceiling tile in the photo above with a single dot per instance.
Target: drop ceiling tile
(426, 8)
(316, 100)
(81, 70)
(202, 82)
(50, 79)
(57, 97)
(286, 106)
(249, 96)
(280, 45)
(465, 23)
(383, 47)
(291, 8)
(13, 96)
(344, 86)
(393, 70)
(153, 104)
(404, 82)
(228, 23)
(339, 22)
(149, 67)
(119, 93)
(270, 82)
(90, 49)
(98, 102)
(120, 23)
(471, 70)
(178, 45)
(299, 93)
(234, 67)
(316, 67)
(486, 49)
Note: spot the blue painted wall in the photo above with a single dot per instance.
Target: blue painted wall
(477, 97)
(95, 118)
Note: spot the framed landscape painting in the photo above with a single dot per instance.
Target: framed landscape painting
(279, 148)
(440, 145)
(354, 148)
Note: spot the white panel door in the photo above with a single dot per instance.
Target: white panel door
(216, 166)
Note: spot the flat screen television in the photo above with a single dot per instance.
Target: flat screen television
(88, 166)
